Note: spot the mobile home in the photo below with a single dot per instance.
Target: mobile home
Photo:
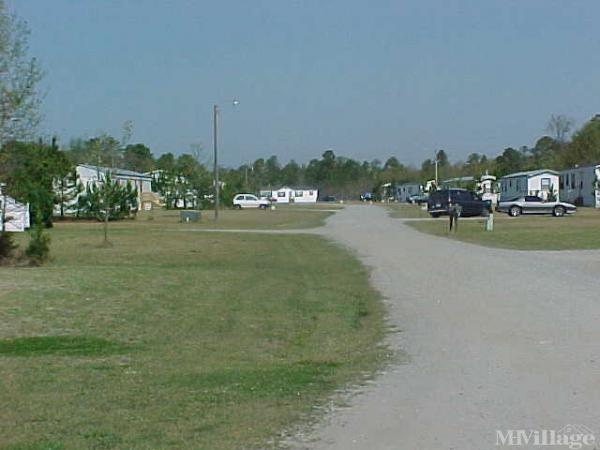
(287, 194)
(14, 216)
(543, 183)
(581, 186)
(406, 190)
(88, 174)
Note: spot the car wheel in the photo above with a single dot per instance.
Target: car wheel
(435, 215)
(514, 211)
(238, 206)
(558, 211)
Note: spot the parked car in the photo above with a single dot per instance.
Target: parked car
(419, 199)
(472, 205)
(367, 196)
(250, 201)
(531, 204)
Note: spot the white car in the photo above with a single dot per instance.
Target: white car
(250, 201)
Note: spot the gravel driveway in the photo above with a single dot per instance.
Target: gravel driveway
(496, 340)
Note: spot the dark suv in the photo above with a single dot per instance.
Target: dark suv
(471, 203)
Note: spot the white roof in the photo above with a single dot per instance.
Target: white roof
(532, 173)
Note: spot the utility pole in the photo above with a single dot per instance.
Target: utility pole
(216, 163)
(235, 102)
(436, 168)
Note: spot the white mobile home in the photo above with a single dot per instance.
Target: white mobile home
(542, 183)
(581, 186)
(88, 174)
(405, 190)
(305, 195)
(15, 214)
(287, 194)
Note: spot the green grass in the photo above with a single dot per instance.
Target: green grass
(406, 211)
(579, 231)
(284, 217)
(178, 340)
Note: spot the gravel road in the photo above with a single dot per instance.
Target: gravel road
(496, 340)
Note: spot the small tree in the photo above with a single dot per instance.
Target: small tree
(67, 190)
(108, 200)
(38, 249)
(66, 185)
(7, 246)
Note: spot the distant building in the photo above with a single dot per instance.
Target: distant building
(88, 174)
(287, 194)
(488, 189)
(15, 214)
(405, 190)
(581, 186)
(541, 183)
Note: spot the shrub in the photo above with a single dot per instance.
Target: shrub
(7, 246)
(38, 250)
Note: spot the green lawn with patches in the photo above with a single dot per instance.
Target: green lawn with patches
(406, 211)
(179, 340)
(284, 217)
(579, 231)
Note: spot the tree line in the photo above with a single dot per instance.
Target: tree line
(34, 168)
(338, 175)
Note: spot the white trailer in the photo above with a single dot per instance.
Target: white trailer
(14, 216)
(581, 186)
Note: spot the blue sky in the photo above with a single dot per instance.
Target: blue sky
(367, 79)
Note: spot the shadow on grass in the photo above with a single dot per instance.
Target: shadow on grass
(59, 345)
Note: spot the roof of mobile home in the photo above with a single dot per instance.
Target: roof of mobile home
(531, 173)
(118, 172)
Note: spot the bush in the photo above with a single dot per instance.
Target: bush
(7, 246)
(38, 250)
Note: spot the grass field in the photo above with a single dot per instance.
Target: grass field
(580, 231)
(406, 211)
(179, 340)
(283, 217)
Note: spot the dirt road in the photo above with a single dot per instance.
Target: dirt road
(496, 340)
